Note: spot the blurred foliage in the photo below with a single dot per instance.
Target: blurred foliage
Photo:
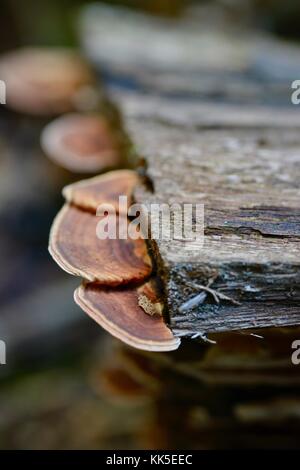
(50, 22)
(281, 17)
(53, 22)
(157, 7)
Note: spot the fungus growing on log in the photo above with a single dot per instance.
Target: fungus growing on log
(237, 270)
(118, 312)
(132, 314)
(45, 81)
(83, 143)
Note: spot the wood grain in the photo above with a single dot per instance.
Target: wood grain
(248, 181)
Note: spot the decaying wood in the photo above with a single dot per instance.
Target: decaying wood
(149, 298)
(190, 57)
(240, 387)
(248, 183)
(240, 160)
(205, 114)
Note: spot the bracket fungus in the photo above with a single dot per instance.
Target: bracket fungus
(107, 188)
(45, 81)
(118, 312)
(114, 292)
(75, 246)
(83, 143)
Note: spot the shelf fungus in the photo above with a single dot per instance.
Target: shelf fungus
(75, 246)
(90, 193)
(46, 81)
(118, 312)
(118, 291)
(82, 143)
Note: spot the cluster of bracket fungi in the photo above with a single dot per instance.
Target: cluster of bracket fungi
(119, 289)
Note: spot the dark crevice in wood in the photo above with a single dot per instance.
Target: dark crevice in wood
(247, 231)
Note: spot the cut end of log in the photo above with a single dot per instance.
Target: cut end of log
(89, 194)
(118, 312)
(76, 248)
(81, 143)
(44, 81)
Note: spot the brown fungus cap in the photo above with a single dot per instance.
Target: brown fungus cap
(118, 312)
(45, 81)
(75, 246)
(132, 314)
(83, 143)
(107, 188)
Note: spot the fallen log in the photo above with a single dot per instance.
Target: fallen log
(233, 147)
(248, 267)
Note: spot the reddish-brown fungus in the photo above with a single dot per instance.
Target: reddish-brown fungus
(45, 81)
(75, 246)
(106, 188)
(83, 143)
(118, 312)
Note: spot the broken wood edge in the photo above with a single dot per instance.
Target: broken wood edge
(149, 299)
(152, 309)
(131, 339)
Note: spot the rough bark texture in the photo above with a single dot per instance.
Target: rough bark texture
(247, 180)
(209, 109)
(212, 120)
(189, 58)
